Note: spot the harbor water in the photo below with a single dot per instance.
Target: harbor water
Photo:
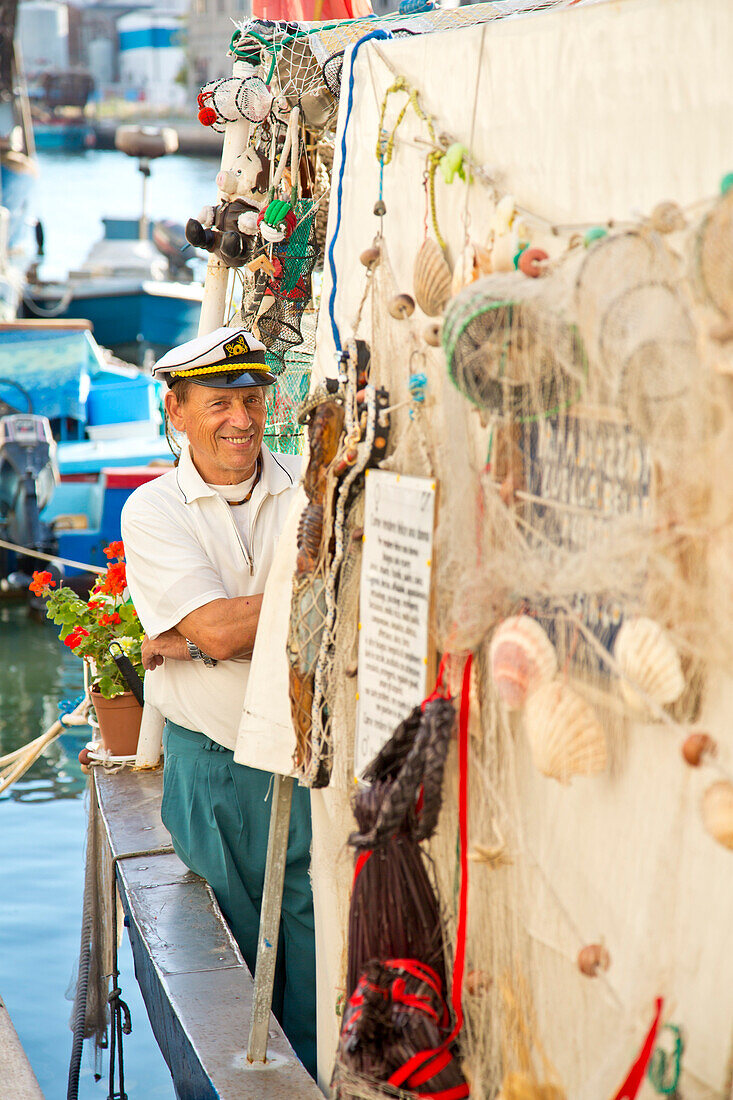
(43, 817)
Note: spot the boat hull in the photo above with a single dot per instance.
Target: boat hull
(132, 319)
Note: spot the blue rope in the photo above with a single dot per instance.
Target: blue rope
(376, 34)
(66, 706)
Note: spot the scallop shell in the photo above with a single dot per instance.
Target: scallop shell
(646, 655)
(431, 279)
(503, 251)
(473, 262)
(564, 733)
(522, 657)
(717, 812)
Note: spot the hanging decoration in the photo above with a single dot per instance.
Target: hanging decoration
(323, 412)
(648, 661)
(564, 733)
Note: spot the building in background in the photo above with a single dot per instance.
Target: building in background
(152, 56)
(210, 27)
(43, 33)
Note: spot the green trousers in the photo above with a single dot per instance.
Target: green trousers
(218, 815)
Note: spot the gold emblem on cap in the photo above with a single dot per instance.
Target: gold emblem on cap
(236, 347)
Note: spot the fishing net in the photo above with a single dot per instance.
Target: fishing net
(322, 189)
(578, 440)
(324, 414)
(273, 304)
(712, 257)
(284, 430)
(510, 350)
(637, 328)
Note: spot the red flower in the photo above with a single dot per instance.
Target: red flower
(115, 550)
(40, 582)
(74, 639)
(95, 604)
(110, 620)
(116, 580)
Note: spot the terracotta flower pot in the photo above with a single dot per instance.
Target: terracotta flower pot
(119, 722)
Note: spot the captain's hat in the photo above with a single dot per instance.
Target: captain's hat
(228, 358)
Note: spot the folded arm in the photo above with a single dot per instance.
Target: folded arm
(223, 629)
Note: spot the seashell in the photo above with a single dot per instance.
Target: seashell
(523, 1086)
(503, 251)
(432, 334)
(592, 958)
(522, 657)
(666, 217)
(473, 262)
(431, 279)
(564, 733)
(721, 332)
(370, 257)
(647, 657)
(532, 262)
(696, 746)
(717, 812)
(401, 306)
(503, 215)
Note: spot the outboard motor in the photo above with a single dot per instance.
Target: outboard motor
(28, 476)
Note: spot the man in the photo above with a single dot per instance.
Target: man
(199, 542)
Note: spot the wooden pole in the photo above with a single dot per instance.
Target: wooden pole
(272, 895)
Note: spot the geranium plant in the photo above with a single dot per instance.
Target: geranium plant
(88, 627)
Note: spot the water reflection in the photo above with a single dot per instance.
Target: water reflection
(37, 674)
(42, 834)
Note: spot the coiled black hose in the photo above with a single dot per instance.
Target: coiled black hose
(82, 981)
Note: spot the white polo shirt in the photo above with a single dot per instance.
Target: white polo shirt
(183, 550)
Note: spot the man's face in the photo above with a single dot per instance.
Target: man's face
(224, 429)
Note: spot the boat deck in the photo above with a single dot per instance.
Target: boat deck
(17, 1079)
(196, 986)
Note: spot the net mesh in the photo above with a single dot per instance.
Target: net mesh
(712, 261)
(577, 435)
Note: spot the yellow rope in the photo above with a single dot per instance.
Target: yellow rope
(385, 150)
(220, 368)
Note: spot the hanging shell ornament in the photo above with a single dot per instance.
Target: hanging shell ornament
(503, 215)
(592, 958)
(431, 279)
(564, 733)
(666, 217)
(503, 251)
(401, 307)
(521, 657)
(717, 812)
(650, 661)
(696, 747)
(432, 334)
(523, 1086)
(474, 261)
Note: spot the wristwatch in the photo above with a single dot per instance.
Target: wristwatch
(197, 655)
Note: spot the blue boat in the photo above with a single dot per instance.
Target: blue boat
(78, 433)
(61, 135)
(135, 285)
(125, 289)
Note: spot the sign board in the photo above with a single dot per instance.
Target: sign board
(396, 569)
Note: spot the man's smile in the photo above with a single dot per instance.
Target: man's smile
(237, 440)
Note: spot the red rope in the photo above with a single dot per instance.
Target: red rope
(361, 860)
(632, 1084)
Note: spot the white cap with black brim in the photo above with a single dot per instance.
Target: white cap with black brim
(227, 358)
